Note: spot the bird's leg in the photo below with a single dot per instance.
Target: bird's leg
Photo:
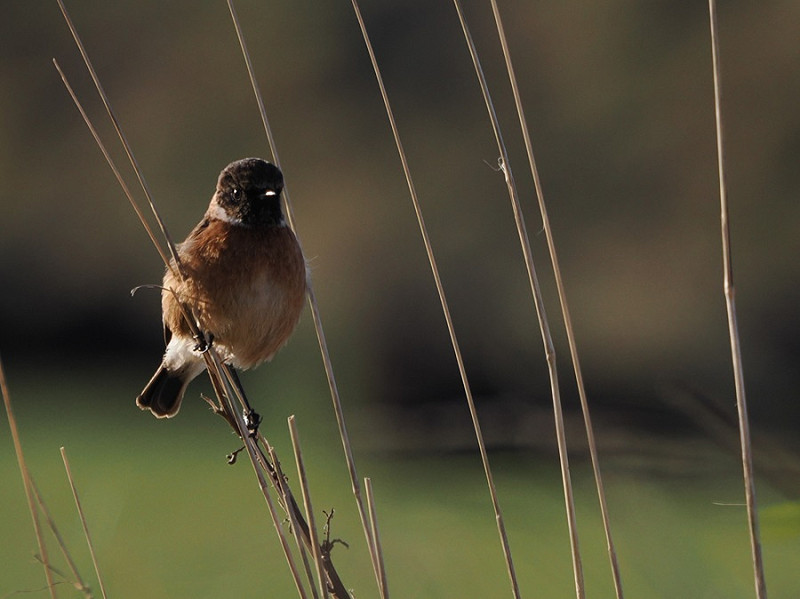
(204, 341)
(252, 419)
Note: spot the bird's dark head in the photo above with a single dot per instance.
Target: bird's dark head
(249, 193)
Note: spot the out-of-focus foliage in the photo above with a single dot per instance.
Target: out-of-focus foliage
(619, 101)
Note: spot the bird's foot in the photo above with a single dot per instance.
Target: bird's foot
(252, 420)
(204, 341)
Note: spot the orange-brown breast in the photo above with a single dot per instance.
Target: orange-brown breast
(245, 285)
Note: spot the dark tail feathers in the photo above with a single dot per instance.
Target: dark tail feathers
(163, 394)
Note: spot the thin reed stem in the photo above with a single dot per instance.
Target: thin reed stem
(191, 321)
(223, 388)
(285, 494)
(85, 526)
(111, 163)
(26, 482)
(446, 311)
(128, 151)
(312, 526)
(313, 305)
(544, 326)
(78, 584)
(562, 298)
(373, 521)
(733, 327)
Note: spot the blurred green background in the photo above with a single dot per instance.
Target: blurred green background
(619, 100)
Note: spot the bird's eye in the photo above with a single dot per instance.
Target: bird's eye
(236, 193)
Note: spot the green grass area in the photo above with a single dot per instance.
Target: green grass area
(169, 518)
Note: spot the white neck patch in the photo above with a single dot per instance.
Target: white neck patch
(218, 212)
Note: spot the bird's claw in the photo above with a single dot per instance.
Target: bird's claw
(252, 420)
(204, 342)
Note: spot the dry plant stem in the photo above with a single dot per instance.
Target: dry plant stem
(184, 309)
(26, 483)
(128, 151)
(287, 499)
(544, 326)
(83, 523)
(562, 297)
(445, 309)
(313, 305)
(223, 387)
(373, 521)
(304, 530)
(117, 174)
(226, 387)
(78, 584)
(733, 328)
(312, 526)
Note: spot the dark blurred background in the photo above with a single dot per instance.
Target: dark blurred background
(619, 100)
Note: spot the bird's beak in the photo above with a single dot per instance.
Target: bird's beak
(270, 194)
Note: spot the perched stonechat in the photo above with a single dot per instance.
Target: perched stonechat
(243, 276)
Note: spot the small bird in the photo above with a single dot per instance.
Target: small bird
(243, 277)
